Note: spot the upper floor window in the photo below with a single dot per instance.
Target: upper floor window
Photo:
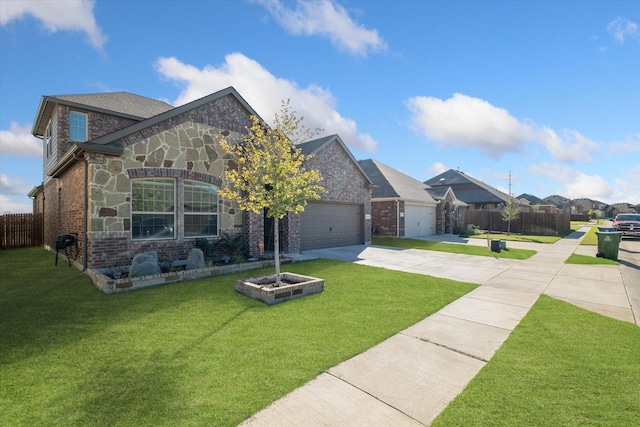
(153, 208)
(47, 140)
(77, 126)
(200, 209)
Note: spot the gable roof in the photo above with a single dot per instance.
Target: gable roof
(467, 188)
(114, 137)
(533, 200)
(310, 148)
(111, 144)
(393, 184)
(123, 104)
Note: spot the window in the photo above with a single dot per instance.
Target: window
(47, 139)
(200, 209)
(77, 126)
(153, 212)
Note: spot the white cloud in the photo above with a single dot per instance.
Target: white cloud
(628, 186)
(59, 15)
(327, 19)
(13, 186)
(18, 141)
(10, 205)
(631, 145)
(622, 28)
(574, 147)
(436, 169)
(465, 121)
(575, 184)
(264, 92)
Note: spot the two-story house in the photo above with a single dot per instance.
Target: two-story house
(127, 174)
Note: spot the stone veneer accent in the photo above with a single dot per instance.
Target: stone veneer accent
(189, 151)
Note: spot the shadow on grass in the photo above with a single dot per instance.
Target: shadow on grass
(44, 307)
(133, 391)
(574, 235)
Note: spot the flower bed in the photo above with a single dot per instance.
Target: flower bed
(111, 285)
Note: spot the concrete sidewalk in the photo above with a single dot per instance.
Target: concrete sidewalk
(411, 377)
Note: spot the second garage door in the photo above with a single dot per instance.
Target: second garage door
(419, 220)
(324, 225)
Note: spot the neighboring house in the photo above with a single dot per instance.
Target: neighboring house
(621, 208)
(477, 194)
(405, 207)
(562, 203)
(129, 174)
(538, 205)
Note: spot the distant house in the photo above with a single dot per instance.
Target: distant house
(128, 174)
(564, 204)
(538, 205)
(477, 194)
(402, 206)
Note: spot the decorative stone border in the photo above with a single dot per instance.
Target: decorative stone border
(110, 286)
(255, 288)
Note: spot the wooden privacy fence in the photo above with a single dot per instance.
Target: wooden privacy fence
(20, 230)
(546, 224)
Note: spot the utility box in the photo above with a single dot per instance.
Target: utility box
(495, 245)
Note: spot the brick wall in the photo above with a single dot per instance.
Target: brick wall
(343, 182)
(384, 216)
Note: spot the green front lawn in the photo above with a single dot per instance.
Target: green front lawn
(519, 238)
(561, 366)
(586, 259)
(591, 238)
(194, 353)
(451, 247)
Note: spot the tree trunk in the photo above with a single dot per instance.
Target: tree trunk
(276, 249)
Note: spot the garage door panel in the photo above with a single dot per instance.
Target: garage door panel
(324, 225)
(419, 220)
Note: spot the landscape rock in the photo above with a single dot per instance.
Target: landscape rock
(195, 259)
(144, 264)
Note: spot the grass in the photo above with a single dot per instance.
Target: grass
(591, 238)
(451, 247)
(519, 238)
(586, 259)
(562, 366)
(194, 353)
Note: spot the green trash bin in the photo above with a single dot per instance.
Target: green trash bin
(608, 244)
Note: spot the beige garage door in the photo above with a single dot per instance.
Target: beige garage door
(324, 225)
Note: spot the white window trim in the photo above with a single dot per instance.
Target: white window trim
(175, 210)
(217, 213)
(47, 138)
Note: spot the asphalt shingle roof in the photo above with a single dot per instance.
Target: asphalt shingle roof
(467, 188)
(392, 183)
(123, 103)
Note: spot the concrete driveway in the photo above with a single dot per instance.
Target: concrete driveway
(408, 379)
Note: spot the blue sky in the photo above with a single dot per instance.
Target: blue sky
(548, 91)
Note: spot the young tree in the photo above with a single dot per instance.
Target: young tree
(510, 213)
(270, 174)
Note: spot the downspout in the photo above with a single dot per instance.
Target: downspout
(85, 218)
(397, 218)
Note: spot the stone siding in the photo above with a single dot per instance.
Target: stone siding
(189, 151)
